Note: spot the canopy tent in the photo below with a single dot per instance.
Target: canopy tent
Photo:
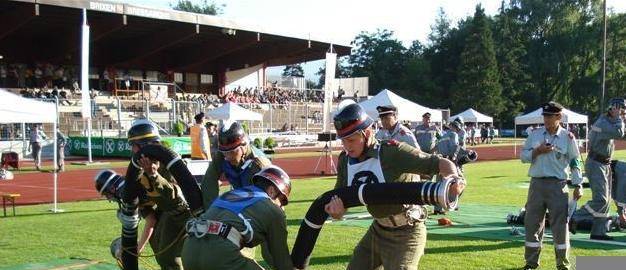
(536, 117)
(473, 116)
(407, 110)
(16, 109)
(233, 112)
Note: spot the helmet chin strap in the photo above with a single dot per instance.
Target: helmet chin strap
(366, 142)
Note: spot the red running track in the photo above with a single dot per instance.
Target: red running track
(75, 185)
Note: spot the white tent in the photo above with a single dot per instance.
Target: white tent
(16, 109)
(472, 116)
(407, 110)
(536, 117)
(233, 112)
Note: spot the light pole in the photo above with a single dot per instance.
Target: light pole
(603, 58)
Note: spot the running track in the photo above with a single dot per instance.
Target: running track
(76, 185)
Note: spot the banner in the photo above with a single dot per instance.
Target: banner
(119, 147)
(331, 64)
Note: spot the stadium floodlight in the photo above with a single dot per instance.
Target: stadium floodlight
(1, 57)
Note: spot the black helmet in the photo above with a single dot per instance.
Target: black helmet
(617, 103)
(278, 178)
(350, 119)
(231, 137)
(142, 132)
(108, 184)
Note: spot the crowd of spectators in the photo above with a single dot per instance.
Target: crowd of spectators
(479, 133)
(37, 75)
(47, 81)
(274, 95)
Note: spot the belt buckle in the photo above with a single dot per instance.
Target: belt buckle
(415, 215)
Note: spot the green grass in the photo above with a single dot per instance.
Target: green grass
(86, 229)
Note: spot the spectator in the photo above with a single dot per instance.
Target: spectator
(212, 130)
(484, 133)
(37, 136)
(61, 142)
(491, 132)
(200, 145)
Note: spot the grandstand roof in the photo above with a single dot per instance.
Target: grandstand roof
(130, 36)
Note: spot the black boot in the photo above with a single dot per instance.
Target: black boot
(601, 237)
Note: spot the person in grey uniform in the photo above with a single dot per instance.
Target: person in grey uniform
(392, 128)
(550, 151)
(61, 142)
(581, 220)
(619, 192)
(37, 137)
(608, 127)
(452, 142)
(427, 134)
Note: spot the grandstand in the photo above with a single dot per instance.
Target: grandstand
(133, 49)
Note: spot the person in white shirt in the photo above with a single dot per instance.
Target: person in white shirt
(37, 137)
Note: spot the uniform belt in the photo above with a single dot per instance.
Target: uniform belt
(599, 158)
(199, 228)
(177, 211)
(408, 217)
(547, 178)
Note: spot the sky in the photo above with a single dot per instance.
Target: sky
(339, 21)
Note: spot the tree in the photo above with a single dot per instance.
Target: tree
(563, 48)
(444, 56)
(341, 71)
(510, 52)
(204, 7)
(380, 57)
(478, 82)
(440, 30)
(293, 71)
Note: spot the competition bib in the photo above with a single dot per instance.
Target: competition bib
(368, 171)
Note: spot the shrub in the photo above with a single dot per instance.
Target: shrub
(257, 143)
(179, 128)
(270, 143)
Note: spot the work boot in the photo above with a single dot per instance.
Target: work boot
(601, 237)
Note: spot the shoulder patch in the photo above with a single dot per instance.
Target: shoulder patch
(402, 132)
(571, 135)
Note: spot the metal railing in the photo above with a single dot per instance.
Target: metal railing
(113, 116)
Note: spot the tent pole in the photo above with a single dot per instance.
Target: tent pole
(24, 146)
(515, 142)
(55, 208)
(587, 138)
(90, 160)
